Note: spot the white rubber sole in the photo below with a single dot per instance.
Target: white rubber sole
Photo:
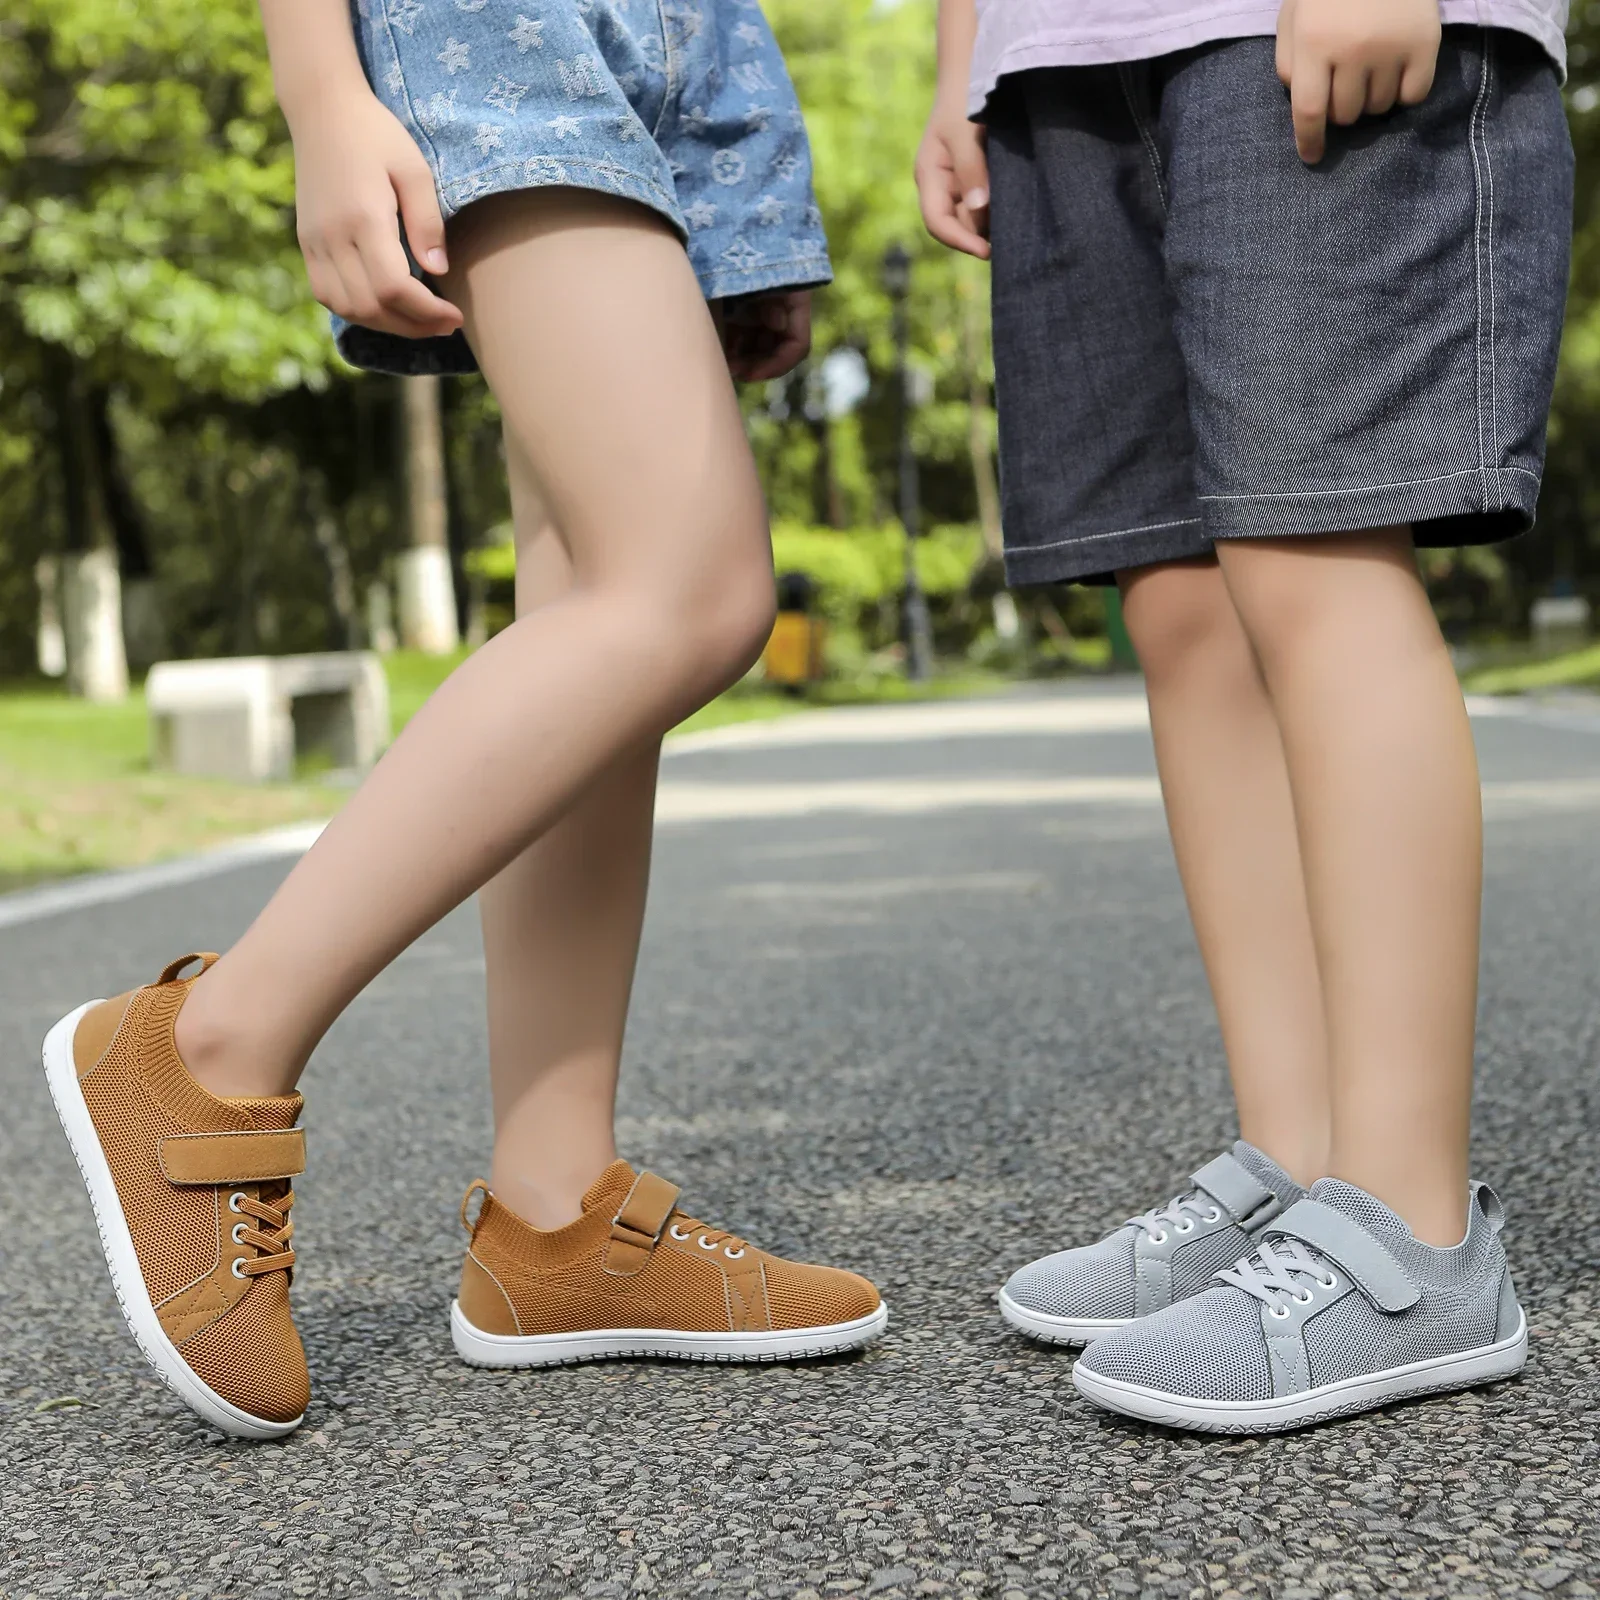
(1057, 1330)
(480, 1349)
(121, 1258)
(1487, 1364)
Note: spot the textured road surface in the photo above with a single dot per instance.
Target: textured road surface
(925, 1039)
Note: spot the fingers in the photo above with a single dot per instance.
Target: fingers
(1383, 88)
(379, 291)
(359, 271)
(766, 336)
(956, 214)
(1347, 98)
(1417, 80)
(1309, 95)
(971, 163)
(1284, 59)
(419, 212)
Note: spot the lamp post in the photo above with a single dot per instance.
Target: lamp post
(914, 603)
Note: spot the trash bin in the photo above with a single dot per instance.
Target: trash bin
(793, 656)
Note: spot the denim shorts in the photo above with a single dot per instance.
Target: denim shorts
(1198, 337)
(684, 106)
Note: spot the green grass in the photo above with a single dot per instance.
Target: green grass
(1577, 669)
(77, 793)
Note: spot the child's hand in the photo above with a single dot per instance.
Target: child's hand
(1343, 59)
(953, 179)
(764, 335)
(356, 167)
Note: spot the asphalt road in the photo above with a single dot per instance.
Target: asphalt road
(933, 1010)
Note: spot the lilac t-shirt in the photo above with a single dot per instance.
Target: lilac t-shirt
(1014, 35)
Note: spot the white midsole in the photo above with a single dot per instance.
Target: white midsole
(1486, 1364)
(1057, 1330)
(127, 1277)
(560, 1349)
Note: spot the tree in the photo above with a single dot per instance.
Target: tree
(145, 248)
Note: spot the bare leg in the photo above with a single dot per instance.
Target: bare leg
(592, 332)
(1385, 782)
(1233, 831)
(561, 930)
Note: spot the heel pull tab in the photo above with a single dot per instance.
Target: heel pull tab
(207, 959)
(1487, 1201)
(477, 1186)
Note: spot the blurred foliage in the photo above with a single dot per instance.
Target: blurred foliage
(149, 278)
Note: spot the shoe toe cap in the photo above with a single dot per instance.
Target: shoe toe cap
(1209, 1347)
(800, 1296)
(1091, 1282)
(252, 1358)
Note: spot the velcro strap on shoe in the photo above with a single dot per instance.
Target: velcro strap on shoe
(257, 1156)
(1242, 1194)
(1347, 1244)
(638, 1224)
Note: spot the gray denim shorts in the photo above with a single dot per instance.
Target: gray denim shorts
(1198, 337)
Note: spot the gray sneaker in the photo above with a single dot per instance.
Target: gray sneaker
(1339, 1309)
(1151, 1261)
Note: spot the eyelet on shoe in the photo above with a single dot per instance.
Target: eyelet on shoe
(238, 1228)
(733, 1255)
(1214, 1216)
(1280, 1312)
(1186, 1226)
(1303, 1299)
(705, 1243)
(677, 1233)
(234, 1199)
(1159, 1238)
(1330, 1282)
(238, 1262)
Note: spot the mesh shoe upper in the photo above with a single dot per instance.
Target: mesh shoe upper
(689, 1277)
(1214, 1346)
(1100, 1281)
(232, 1327)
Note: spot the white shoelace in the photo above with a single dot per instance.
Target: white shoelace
(1155, 1222)
(1272, 1271)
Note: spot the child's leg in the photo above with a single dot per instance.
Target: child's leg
(1232, 822)
(560, 934)
(591, 329)
(1385, 782)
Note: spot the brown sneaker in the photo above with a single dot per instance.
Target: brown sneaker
(192, 1197)
(635, 1276)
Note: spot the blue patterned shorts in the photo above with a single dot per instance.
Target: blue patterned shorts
(682, 105)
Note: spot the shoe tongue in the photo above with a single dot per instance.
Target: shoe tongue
(269, 1111)
(1361, 1207)
(1265, 1170)
(610, 1189)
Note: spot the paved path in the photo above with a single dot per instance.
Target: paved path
(920, 999)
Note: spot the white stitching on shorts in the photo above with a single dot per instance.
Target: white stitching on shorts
(1372, 488)
(1125, 78)
(1478, 252)
(1116, 533)
(1488, 250)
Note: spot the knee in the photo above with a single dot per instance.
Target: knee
(1183, 624)
(732, 621)
(709, 626)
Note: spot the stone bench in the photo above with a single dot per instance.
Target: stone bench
(249, 718)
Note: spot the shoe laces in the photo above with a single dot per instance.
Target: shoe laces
(1273, 1271)
(683, 1228)
(268, 1233)
(1178, 1214)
